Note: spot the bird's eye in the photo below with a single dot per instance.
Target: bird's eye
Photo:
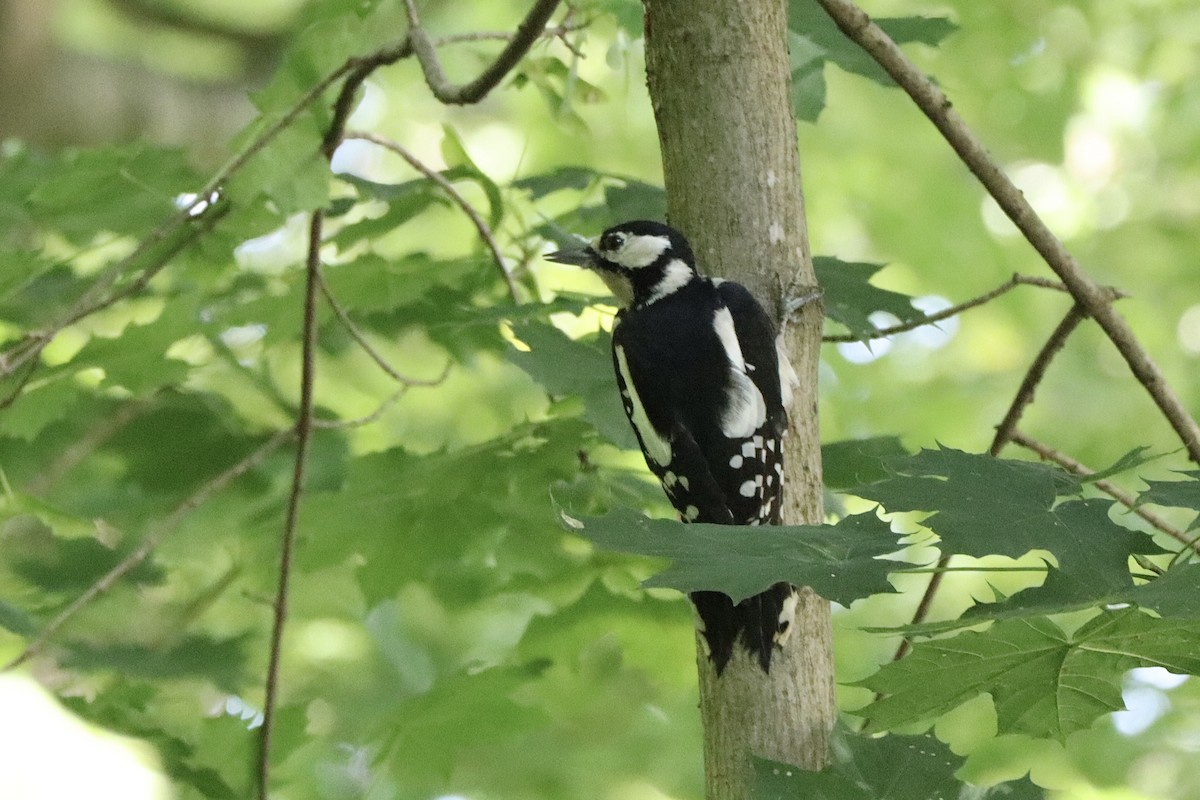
(612, 241)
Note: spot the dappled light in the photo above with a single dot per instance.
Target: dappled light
(316, 482)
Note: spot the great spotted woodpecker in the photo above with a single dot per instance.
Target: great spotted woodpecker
(703, 383)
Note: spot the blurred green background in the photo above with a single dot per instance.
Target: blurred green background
(447, 638)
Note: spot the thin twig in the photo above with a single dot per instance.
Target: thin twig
(358, 422)
(1048, 453)
(152, 540)
(93, 299)
(355, 333)
(528, 31)
(85, 445)
(304, 426)
(1004, 431)
(485, 232)
(855, 23)
(1034, 376)
(953, 311)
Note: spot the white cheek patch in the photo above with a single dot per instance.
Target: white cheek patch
(745, 409)
(657, 447)
(641, 251)
(676, 275)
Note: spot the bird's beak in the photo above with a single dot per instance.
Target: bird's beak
(580, 256)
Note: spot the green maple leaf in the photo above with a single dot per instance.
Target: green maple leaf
(851, 298)
(892, 767)
(840, 562)
(983, 505)
(1043, 681)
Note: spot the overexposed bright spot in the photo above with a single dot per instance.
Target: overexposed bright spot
(1090, 155)
(497, 149)
(243, 335)
(1117, 101)
(872, 349)
(271, 253)
(1143, 705)
(864, 352)
(50, 754)
(939, 333)
(1050, 195)
(371, 108)
(1157, 677)
(359, 158)
(1188, 330)
(194, 204)
(1145, 698)
(235, 706)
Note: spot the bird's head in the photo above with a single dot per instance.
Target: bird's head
(639, 261)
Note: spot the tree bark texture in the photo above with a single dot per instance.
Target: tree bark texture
(718, 74)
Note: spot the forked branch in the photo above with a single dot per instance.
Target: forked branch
(1089, 295)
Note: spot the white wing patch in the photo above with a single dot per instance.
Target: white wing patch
(745, 409)
(656, 446)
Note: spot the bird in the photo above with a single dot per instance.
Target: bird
(703, 380)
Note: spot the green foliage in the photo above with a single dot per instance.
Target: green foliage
(815, 40)
(881, 768)
(850, 298)
(1043, 682)
(841, 562)
(485, 600)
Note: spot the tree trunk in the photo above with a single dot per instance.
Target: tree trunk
(718, 73)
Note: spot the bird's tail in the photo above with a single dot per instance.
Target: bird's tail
(760, 623)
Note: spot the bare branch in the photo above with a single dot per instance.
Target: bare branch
(358, 336)
(303, 429)
(1004, 432)
(953, 311)
(1048, 453)
(485, 232)
(342, 424)
(528, 32)
(855, 23)
(1033, 376)
(143, 551)
(87, 444)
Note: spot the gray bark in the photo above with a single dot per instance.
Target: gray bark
(718, 75)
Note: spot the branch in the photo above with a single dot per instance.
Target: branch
(176, 17)
(358, 336)
(1012, 283)
(85, 445)
(1004, 433)
(528, 32)
(485, 233)
(1034, 376)
(303, 429)
(1087, 293)
(95, 299)
(143, 551)
(1048, 453)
